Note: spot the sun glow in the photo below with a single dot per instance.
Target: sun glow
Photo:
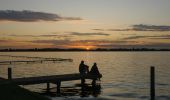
(87, 48)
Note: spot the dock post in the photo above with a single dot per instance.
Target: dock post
(48, 86)
(152, 84)
(9, 73)
(58, 86)
(94, 82)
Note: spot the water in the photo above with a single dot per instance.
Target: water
(125, 74)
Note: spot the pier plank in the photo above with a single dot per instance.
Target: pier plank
(52, 79)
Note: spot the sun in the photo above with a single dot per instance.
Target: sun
(87, 48)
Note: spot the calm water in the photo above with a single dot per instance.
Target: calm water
(125, 74)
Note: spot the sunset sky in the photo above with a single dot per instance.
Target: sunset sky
(87, 24)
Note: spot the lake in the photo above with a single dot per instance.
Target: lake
(125, 74)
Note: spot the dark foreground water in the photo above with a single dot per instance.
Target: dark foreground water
(125, 74)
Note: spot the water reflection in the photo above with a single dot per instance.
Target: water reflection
(85, 90)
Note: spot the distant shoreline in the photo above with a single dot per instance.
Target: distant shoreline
(80, 50)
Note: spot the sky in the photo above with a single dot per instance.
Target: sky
(86, 24)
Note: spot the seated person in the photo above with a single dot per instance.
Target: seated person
(83, 69)
(94, 70)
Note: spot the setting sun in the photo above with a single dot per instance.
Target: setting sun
(87, 48)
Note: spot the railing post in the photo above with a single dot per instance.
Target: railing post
(9, 73)
(152, 83)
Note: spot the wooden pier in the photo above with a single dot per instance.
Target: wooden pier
(55, 79)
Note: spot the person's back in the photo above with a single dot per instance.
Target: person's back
(94, 70)
(81, 68)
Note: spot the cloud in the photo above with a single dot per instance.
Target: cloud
(88, 34)
(70, 42)
(62, 35)
(149, 37)
(141, 27)
(48, 43)
(59, 36)
(59, 42)
(3, 41)
(31, 16)
(97, 29)
(134, 37)
(149, 45)
(80, 43)
(119, 29)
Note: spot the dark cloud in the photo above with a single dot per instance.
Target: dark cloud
(67, 43)
(98, 29)
(78, 43)
(119, 29)
(61, 42)
(3, 41)
(47, 36)
(14, 35)
(134, 37)
(141, 27)
(130, 34)
(88, 34)
(63, 35)
(103, 44)
(112, 29)
(149, 37)
(149, 45)
(31, 16)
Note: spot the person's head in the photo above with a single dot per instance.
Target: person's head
(82, 62)
(95, 64)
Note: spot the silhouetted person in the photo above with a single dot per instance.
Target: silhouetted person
(83, 69)
(95, 71)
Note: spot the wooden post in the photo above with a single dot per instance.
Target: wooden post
(9, 73)
(152, 83)
(58, 86)
(48, 86)
(93, 82)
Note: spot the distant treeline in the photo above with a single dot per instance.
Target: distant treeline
(98, 49)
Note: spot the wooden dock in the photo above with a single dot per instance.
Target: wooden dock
(55, 79)
(52, 79)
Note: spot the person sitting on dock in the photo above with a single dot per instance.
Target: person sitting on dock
(95, 71)
(83, 69)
